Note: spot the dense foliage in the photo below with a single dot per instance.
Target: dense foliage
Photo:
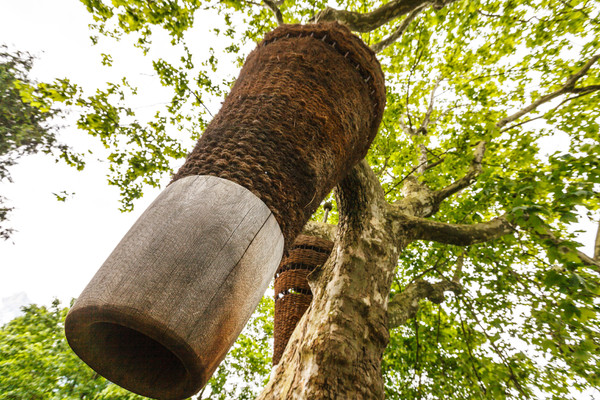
(27, 114)
(521, 76)
(37, 363)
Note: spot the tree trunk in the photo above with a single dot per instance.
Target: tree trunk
(336, 349)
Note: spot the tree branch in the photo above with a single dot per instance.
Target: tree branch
(585, 89)
(568, 87)
(464, 235)
(367, 22)
(271, 5)
(457, 234)
(579, 91)
(201, 102)
(427, 119)
(404, 306)
(382, 45)
(320, 230)
(597, 245)
(560, 244)
(468, 179)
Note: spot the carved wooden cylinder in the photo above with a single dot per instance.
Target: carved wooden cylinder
(165, 307)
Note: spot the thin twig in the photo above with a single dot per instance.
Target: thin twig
(470, 177)
(201, 102)
(568, 87)
(427, 119)
(568, 99)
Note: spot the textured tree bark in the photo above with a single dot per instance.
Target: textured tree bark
(336, 349)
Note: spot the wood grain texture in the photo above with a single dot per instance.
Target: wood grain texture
(187, 276)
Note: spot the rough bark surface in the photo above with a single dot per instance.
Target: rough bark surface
(335, 352)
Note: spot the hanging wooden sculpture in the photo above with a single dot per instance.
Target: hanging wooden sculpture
(165, 307)
(292, 293)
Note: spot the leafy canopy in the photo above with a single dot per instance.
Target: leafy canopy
(27, 114)
(36, 361)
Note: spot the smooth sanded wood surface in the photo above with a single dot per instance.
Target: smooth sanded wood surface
(188, 274)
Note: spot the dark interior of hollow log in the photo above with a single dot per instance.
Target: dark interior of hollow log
(145, 364)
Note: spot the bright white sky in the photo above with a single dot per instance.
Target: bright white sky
(59, 246)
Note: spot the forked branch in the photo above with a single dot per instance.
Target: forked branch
(366, 22)
(568, 87)
(468, 179)
(427, 119)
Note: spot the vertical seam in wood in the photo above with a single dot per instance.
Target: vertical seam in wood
(208, 304)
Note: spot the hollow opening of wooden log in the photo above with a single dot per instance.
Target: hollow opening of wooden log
(146, 364)
(141, 355)
(162, 311)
